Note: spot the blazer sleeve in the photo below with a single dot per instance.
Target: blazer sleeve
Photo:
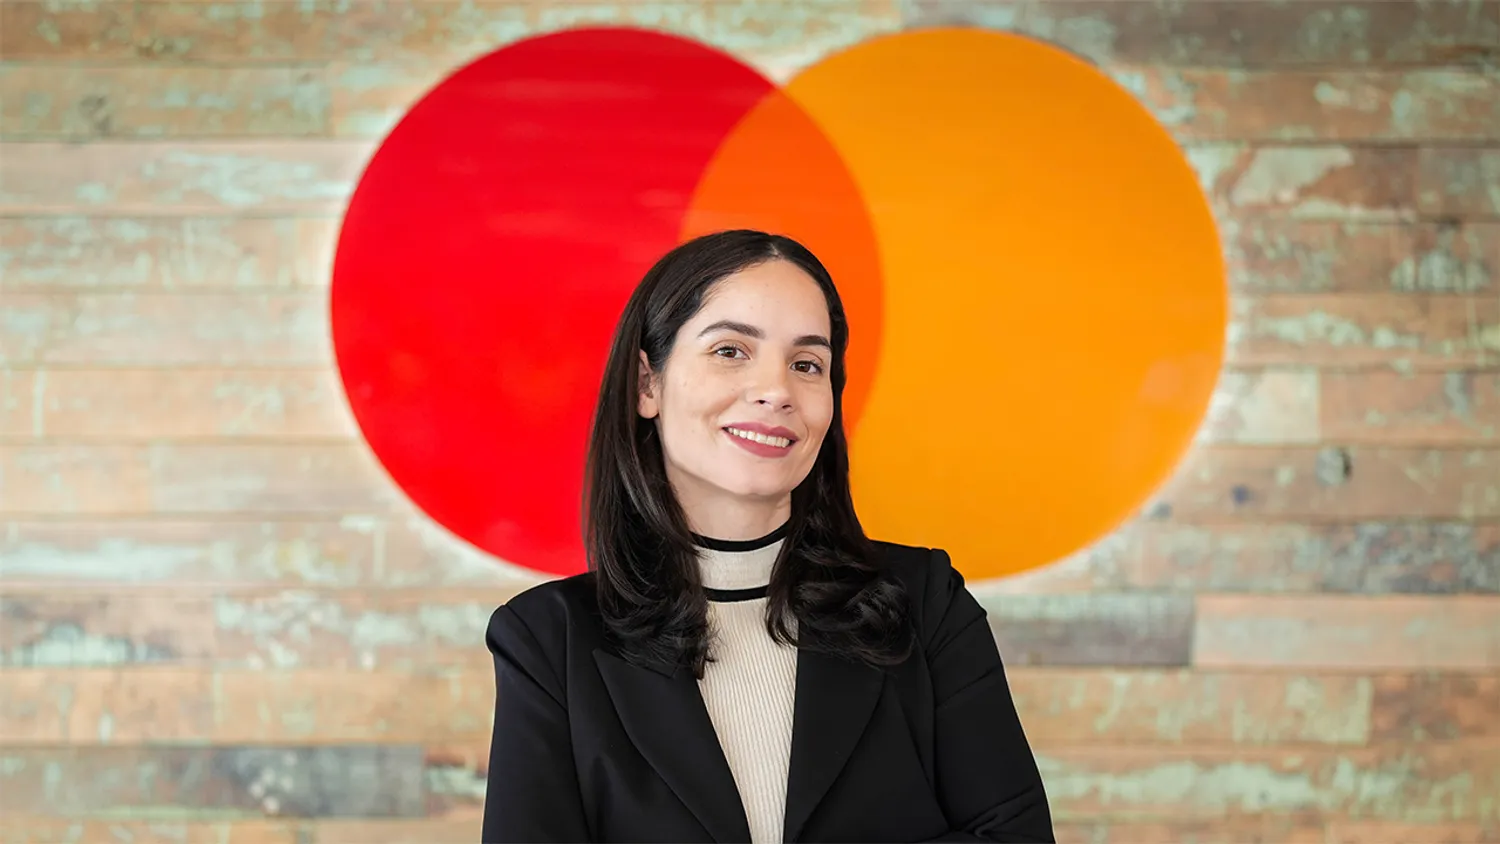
(532, 792)
(987, 779)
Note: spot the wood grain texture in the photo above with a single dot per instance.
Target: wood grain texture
(396, 550)
(164, 703)
(1441, 408)
(177, 404)
(403, 630)
(366, 781)
(93, 30)
(1309, 182)
(1244, 33)
(1365, 632)
(1405, 331)
(47, 102)
(1352, 483)
(1097, 629)
(773, 35)
(35, 829)
(1448, 408)
(1375, 558)
(1459, 182)
(166, 329)
(50, 254)
(51, 480)
(180, 177)
(1201, 104)
(1405, 783)
(1430, 706)
(1280, 255)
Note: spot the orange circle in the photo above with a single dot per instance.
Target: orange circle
(1054, 298)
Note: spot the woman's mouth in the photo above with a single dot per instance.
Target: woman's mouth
(755, 442)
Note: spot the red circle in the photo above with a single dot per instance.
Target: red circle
(487, 252)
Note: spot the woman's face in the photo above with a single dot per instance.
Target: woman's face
(745, 399)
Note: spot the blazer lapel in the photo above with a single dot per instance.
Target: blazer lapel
(835, 699)
(663, 713)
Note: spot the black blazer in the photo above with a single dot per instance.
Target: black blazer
(587, 747)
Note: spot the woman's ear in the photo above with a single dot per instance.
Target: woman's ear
(648, 404)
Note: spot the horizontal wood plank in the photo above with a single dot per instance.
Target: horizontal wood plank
(1096, 629)
(1356, 483)
(403, 630)
(53, 254)
(1451, 408)
(1381, 407)
(773, 36)
(1411, 783)
(52, 480)
(51, 102)
(1340, 330)
(40, 829)
(1243, 33)
(166, 404)
(402, 549)
(1275, 406)
(166, 329)
(162, 704)
(1322, 182)
(360, 781)
(1374, 558)
(94, 30)
(1431, 706)
(1250, 829)
(1279, 255)
(1365, 632)
(1200, 104)
(1375, 832)
(178, 178)
(1459, 182)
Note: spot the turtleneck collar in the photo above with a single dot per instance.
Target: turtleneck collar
(738, 569)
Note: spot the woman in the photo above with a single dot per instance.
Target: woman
(741, 663)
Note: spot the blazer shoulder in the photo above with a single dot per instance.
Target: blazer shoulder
(546, 615)
(928, 576)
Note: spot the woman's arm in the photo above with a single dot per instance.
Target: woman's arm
(987, 778)
(532, 791)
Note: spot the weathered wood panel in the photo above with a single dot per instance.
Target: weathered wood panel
(1399, 632)
(55, 254)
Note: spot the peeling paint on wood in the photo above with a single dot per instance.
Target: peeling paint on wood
(1252, 484)
(1355, 632)
(45, 102)
(282, 177)
(331, 781)
(1100, 629)
(1199, 104)
(1404, 331)
(1244, 33)
(67, 253)
(1275, 255)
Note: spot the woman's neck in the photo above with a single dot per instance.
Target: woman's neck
(736, 524)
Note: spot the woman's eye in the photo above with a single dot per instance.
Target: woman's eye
(811, 366)
(730, 349)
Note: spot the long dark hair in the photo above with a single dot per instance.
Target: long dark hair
(827, 577)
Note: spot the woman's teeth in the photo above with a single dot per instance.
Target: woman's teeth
(779, 442)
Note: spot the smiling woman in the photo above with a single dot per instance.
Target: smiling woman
(740, 662)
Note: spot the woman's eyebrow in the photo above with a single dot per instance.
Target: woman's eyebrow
(749, 330)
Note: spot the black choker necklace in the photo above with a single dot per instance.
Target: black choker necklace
(741, 544)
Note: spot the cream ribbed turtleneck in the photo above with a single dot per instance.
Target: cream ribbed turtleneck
(751, 684)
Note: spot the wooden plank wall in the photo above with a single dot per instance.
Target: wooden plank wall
(220, 623)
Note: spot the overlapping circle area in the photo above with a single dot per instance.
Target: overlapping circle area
(1032, 274)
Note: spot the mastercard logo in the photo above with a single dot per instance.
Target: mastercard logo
(1033, 277)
